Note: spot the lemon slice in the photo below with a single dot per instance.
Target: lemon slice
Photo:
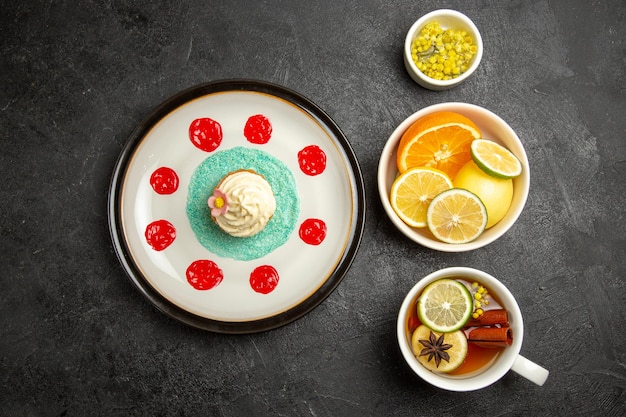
(453, 347)
(495, 159)
(445, 305)
(412, 192)
(456, 216)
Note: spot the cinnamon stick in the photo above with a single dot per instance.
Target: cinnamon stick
(490, 318)
(491, 337)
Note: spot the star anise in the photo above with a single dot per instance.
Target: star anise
(435, 348)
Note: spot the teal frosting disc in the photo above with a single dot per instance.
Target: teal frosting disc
(206, 177)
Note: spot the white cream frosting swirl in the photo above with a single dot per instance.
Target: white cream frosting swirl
(251, 204)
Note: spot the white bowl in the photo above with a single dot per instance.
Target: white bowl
(492, 127)
(447, 19)
(509, 359)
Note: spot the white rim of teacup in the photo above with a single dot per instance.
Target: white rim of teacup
(508, 359)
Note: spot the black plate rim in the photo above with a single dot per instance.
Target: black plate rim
(123, 251)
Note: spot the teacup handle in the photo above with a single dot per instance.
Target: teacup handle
(530, 370)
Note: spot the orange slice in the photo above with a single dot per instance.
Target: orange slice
(438, 140)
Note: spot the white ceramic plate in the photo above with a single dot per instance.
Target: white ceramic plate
(308, 273)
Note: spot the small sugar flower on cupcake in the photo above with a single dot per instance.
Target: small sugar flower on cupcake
(218, 203)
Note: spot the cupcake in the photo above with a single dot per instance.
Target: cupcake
(242, 203)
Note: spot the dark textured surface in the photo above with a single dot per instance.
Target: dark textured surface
(76, 338)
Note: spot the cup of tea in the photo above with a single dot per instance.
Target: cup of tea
(488, 343)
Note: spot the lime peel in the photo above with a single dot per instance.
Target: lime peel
(445, 305)
(456, 216)
(494, 159)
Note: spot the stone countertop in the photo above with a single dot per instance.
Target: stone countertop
(77, 338)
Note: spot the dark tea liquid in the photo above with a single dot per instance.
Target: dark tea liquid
(477, 357)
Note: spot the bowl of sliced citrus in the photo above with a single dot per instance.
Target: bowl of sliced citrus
(453, 177)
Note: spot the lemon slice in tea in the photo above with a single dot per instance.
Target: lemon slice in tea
(456, 216)
(445, 305)
(412, 192)
(439, 352)
(495, 159)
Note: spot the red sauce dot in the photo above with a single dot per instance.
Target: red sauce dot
(313, 231)
(258, 129)
(312, 160)
(204, 274)
(205, 134)
(164, 180)
(264, 279)
(160, 234)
